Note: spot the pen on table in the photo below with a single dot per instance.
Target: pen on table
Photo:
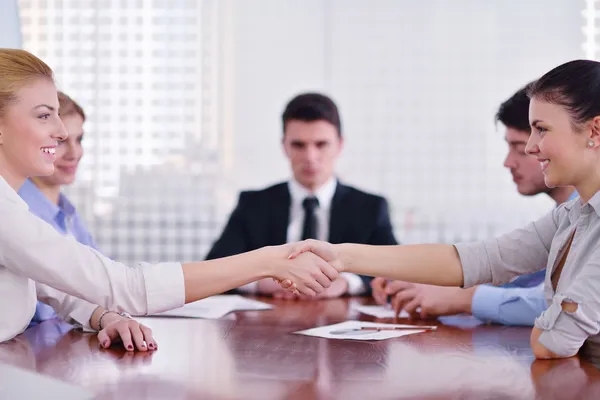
(397, 328)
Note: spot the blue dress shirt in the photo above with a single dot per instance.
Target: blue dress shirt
(519, 302)
(64, 218)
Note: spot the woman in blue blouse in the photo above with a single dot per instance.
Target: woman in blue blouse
(45, 199)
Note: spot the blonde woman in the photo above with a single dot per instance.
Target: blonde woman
(38, 262)
(45, 199)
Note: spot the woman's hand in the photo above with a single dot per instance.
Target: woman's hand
(326, 251)
(323, 250)
(129, 332)
(305, 273)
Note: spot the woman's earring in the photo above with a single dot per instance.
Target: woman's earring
(590, 144)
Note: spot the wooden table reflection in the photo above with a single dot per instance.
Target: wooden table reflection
(253, 355)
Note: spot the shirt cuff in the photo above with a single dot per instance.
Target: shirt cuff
(564, 332)
(356, 286)
(249, 288)
(165, 286)
(560, 344)
(486, 303)
(80, 317)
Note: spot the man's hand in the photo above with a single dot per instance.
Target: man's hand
(270, 286)
(378, 286)
(338, 288)
(432, 301)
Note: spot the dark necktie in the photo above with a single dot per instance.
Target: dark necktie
(309, 229)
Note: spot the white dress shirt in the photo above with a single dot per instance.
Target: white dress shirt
(296, 222)
(35, 260)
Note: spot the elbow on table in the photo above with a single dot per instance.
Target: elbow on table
(542, 353)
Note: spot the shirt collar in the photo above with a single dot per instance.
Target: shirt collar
(576, 207)
(66, 206)
(595, 202)
(324, 194)
(41, 205)
(9, 193)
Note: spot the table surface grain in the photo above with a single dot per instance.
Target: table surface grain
(255, 355)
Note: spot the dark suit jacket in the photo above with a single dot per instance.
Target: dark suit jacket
(261, 218)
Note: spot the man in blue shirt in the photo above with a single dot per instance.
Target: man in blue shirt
(516, 303)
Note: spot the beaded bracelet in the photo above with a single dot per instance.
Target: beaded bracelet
(124, 315)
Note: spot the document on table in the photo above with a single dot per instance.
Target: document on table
(17, 383)
(379, 311)
(216, 307)
(355, 330)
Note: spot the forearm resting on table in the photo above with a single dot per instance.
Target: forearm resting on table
(434, 264)
(539, 350)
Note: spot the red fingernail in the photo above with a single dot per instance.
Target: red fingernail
(130, 347)
(105, 343)
(150, 346)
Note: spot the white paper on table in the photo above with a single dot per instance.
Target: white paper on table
(17, 383)
(379, 311)
(215, 307)
(352, 331)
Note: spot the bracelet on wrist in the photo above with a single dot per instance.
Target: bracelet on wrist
(122, 314)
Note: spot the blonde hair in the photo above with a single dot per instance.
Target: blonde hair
(18, 68)
(68, 106)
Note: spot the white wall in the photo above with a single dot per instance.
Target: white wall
(417, 83)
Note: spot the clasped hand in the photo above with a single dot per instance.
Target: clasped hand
(311, 267)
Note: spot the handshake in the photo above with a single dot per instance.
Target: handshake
(308, 268)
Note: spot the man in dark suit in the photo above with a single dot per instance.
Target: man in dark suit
(313, 204)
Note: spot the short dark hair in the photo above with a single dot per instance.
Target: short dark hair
(574, 85)
(311, 107)
(514, 112)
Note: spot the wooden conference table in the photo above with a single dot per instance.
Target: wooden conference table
(252, 355)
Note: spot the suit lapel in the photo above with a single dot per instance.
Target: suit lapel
(338, 215)
(280, 214)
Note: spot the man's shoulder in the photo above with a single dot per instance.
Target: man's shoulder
(361, 196)
(263, 195)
